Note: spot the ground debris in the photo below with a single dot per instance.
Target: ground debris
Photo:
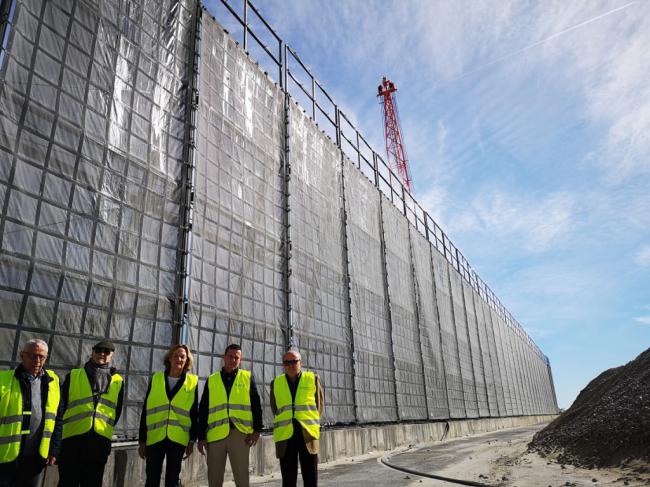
(608, 425)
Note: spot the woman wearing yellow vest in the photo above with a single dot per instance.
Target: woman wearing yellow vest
(169, 418)
(91, 405)
(29, 398)
(297, 404)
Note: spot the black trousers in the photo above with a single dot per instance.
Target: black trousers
(81, 474)
(156, 455)
(296, 449)
(25, 471)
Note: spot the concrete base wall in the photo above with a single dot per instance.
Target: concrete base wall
(125, 468)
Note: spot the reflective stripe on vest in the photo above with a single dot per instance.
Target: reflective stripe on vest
(11, 415)
(303, 409)
(170, 419)
(81, 414)
(224, 408)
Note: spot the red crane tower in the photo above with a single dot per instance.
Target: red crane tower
(395, 150)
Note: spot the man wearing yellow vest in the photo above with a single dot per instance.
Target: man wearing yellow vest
(29, 398)
(230, 419)
(91, 405)
(297, 405)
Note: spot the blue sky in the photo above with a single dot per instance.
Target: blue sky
(527, 126)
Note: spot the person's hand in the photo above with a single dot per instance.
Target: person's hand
(142, 450)
(189, 449)
(203, 445)
(251, 440)
(51, 460)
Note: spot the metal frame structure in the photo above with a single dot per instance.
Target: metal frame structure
(352, 143)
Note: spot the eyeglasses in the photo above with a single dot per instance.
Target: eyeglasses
(290, 362)
(102, 350)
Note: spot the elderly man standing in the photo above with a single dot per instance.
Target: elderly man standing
(230, 419)
(29, 398)
(297, 404)
(91, 404)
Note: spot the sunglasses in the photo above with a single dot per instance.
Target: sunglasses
(102, 350)
(290, 362)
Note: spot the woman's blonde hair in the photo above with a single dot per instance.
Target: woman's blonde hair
(168, 357)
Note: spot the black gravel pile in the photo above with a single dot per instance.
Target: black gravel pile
(608, 425)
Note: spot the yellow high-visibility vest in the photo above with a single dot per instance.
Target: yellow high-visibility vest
(303, 409)
(170, 419)
(82, 415)
(11, 415)
(224, 408)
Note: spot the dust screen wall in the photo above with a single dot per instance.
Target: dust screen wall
(475, 347)
(487, 354)
(464, 351)
(405, 333)
(110, 164)
(450, 353)
(92, 140)
(429, 327)
(373, 354)
(237, 289)
(318, 267)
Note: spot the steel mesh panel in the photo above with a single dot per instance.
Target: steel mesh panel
(525, 375)
(536, 385)
(520, 386)
(92, 132)
(450, 355)
(475, 347)
(319, 291)
(520, 390)
(409, 380)
(487, 354)
(464, 350)
(515, 396)
(497, 359)
(506, 369)
(237, 291)
(374, 369)
(434, 371)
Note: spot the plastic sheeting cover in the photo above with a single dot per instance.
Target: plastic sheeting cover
(92, 130)
(429, 327)
(409, 374)
(237, 292)
(475, 347)
(487, 354)
(374, 367)
(464, 350)
(448, 331)
(319, 291)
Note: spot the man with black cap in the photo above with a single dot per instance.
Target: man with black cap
(91, 405)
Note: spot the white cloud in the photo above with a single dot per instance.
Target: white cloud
(535, 223)
(642, 257)
(643, 319)
(608, 61)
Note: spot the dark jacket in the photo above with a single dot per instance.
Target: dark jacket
(170, 394)
(228, 380)
(21, 375)
(90, 446)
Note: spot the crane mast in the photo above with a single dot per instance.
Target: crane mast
(395, 150)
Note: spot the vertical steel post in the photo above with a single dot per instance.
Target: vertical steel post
(348, 284)
(245, 40)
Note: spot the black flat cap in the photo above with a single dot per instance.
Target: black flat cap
(108, 345)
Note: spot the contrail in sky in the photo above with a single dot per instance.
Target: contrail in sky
(546, 39)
